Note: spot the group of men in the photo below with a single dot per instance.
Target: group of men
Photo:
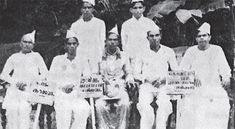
(143, 59)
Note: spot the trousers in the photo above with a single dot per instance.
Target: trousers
(146, 111)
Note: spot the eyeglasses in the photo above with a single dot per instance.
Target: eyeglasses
(74, 43)
(29, 42)
(113, 39)
(87, 7)
(138, 7)
(152, 35)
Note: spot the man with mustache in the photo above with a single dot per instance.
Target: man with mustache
(21, 70)
(208, 106)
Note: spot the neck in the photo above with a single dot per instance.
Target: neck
(155, 48)
(203, 47)
(137, 18)
(26, 52)
(71, 56)
(87, 18)
(111, 50)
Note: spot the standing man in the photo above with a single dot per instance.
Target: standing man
(208, 107)
(153, 72)
(20, 70)
(134, 30)
(65, 73)
(91, 33)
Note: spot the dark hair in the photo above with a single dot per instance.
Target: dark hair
(133, 3)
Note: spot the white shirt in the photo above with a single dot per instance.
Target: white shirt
(208, 65)
(64, 72)
(26, 68)
(156, 64)
(134, 35)
(91, 36)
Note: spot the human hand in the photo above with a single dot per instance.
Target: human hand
(21, 85)
(68, 88)
(226, 84)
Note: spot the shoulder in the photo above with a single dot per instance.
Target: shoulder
(192, 49)
(168, 49)
(215, 47)
(127, 22)
(97, 20)
(58, 58)
(76, 23)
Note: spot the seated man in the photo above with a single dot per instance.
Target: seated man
(65, 72)
(20, 70)
(112, 109)
(152, 71)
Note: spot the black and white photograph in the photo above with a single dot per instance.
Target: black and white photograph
(117, 64)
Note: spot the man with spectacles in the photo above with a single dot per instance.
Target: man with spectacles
(133, 32)
(154, 69)
(22, 69)
(65, 72)
(208, 106)
(91, 33)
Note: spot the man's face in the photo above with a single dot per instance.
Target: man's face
(87, 9)
(203, 39)
(154, 38)
(71, 45)
(137, 10)
(26, 44)
(112, 40)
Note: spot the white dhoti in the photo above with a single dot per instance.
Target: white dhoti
(146, 111)
(206, 112)
(107, 118)
(65, 105)
(17, 108)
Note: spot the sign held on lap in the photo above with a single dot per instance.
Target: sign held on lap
(91, 87)
(180, 82)
(42, 93)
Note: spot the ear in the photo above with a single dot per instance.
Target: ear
(143, 8)
(131, 10)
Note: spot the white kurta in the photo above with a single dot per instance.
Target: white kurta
(26, 68)
(155, 66)
(134, 35)
(209, 104)
(91, 36)
(64, 72)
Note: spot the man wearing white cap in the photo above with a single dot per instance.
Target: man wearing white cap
(65, 72)
(112, 109)
(21, 69)
(208, 106)
(134, 30)
(91, 33)
(153, 73)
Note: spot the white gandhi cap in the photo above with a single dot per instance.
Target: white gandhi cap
(90, 1)
(132, 1)
(205, 28)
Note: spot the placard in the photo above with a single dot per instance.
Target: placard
(91, 87)
(180, 82)
(41, 92)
